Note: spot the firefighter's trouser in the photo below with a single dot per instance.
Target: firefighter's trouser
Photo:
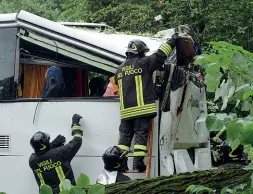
(138, 127)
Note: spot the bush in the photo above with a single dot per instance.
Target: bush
(82, 187)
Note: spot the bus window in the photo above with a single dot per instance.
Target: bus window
(8, 60)
(32, 79)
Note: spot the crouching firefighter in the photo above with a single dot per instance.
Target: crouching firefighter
(113, 161)
(51, 161)
(137, 96)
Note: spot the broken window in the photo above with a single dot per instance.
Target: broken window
(8, 50)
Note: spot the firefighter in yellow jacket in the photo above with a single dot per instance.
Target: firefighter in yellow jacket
(137, 96)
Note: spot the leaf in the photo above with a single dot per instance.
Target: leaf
(224, 190)
(247, 94)
(251, 177)
(239, 58)
(246, 192)
(239, 187)
(97, 189)
(76, 190)
(234, 131)
(83, 181)
(247, 135)
(64, 192)
(246, 106)
(190, 188)
(215, 122)
(65, 185)
(249, 167)
(45, 189)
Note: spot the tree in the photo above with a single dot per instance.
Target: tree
(216, 179)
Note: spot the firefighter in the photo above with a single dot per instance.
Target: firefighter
(50, 163)
(137, 96)
(113, 161)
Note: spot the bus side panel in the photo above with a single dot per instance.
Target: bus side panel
(100, 126)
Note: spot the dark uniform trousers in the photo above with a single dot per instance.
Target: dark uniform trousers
(139, 127)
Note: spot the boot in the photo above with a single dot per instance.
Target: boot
(138, 164)
(124, 166)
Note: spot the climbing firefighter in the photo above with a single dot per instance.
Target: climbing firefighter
(51, 161)
(137, 96)
(113, 162)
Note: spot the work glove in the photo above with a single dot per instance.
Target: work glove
(76, 119)
(76, 127)
(173, 40)
(58, 141)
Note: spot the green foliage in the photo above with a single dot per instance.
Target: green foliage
(201, 189)
(45, 189)
(82, 187)
(228, 71)
(83, 181)
(228, 74)
(212, 19)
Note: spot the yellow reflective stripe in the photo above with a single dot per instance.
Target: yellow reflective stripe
(141, 90)
(136, 108)
(138, 113)
(166, 49)
(139, 153)
(42, 182)
(78, 135)
(121, 94)
(137, 90)
(140, 147)
(61, 187)
(60, 173)
(76, 127)
(123, 147)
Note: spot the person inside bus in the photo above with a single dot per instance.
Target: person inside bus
(54, 83)
(112, 89)
(50, 162)
(97, 87)
(113, 159)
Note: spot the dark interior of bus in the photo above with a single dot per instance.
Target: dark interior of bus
(35, 61)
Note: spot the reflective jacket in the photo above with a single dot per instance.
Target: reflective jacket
(134, 78)
(54, 165)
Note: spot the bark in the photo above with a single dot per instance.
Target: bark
(216, 179)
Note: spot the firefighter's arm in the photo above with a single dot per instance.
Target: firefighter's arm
(69, 150)
(156, 60)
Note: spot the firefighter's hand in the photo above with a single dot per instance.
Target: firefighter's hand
(76, 119)
(173, 40)
(58, 141)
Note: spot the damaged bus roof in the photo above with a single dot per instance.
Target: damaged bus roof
(100, 50)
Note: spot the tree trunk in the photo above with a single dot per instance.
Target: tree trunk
(215, 179)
